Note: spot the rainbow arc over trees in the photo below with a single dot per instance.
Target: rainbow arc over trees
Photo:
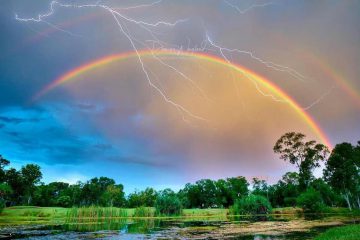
(98, 63)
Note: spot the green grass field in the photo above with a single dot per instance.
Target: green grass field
(351, 232)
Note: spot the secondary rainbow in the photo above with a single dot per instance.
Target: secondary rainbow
(72, 74)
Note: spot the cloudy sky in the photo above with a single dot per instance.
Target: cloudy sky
(160, 93)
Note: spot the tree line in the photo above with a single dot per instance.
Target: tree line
(339, 186)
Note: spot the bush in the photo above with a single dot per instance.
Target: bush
(168, 203)
(310, 201)
(2, 205)
(64, 201)
(253, 204)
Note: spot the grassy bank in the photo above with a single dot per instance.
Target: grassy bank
(350, 232)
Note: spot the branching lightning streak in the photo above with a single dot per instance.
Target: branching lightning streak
(116, 15)
(62, 30)
(139, 6)
(208, 44)
(317, 101)
(248, 8)
(221, 50)
(274, 66)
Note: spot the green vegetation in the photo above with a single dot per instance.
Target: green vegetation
(147, 212)
(102, 197)
(251, 205)
(351, 232)
(311, 201)
(168, 203)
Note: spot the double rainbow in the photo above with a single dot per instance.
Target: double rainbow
(98, 63)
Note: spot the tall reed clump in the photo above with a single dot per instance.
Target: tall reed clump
(144, 212)
(93, 214)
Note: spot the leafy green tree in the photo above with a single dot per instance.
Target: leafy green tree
(306, 156)
(14, 180)
(144, 198)
(224, 194)
(260, 187)
(238, 187)
(285, 191)
(3, 163)
(168, 203)
(93, 190)
(208, 193)
(47, 194)
(64, 201)
(342, 172)
(114, 196)
(328, 195)
(31, 175)
(5, 191)
(190, 196)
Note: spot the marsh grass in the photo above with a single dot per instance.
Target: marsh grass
(94, 213)
(144, 212)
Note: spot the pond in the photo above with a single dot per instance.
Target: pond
(260, 228)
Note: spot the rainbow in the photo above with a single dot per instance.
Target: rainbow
(98, 63)
(336, 76)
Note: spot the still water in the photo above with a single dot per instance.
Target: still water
(274, 228)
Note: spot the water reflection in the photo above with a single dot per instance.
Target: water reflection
(236, 227)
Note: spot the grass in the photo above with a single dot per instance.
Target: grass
(350, 232)
(196, 212)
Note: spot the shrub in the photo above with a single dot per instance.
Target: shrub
(168, 203)
(2, 205)
(253, 204)
(64, 201)
(310, 201)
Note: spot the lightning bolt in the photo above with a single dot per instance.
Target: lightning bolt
(322, 97)
(207, 45)
(120, 20)
(243, 11)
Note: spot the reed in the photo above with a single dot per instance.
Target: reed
(94, 214)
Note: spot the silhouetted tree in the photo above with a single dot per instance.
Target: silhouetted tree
(306, 156)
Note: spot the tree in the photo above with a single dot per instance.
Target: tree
(31, 175)
(285, 192)
(93, 190)
(3, 163)
(342, 172)
(305, 155)
(310, 201)
(329, 197)
(5, 191)
(144, 198)
(238, 187)
(14, 180)
(168, 203)
(114, 196)
(259, 187)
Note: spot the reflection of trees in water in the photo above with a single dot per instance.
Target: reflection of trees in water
(143, 225)
(123, 225)
(92, 226)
